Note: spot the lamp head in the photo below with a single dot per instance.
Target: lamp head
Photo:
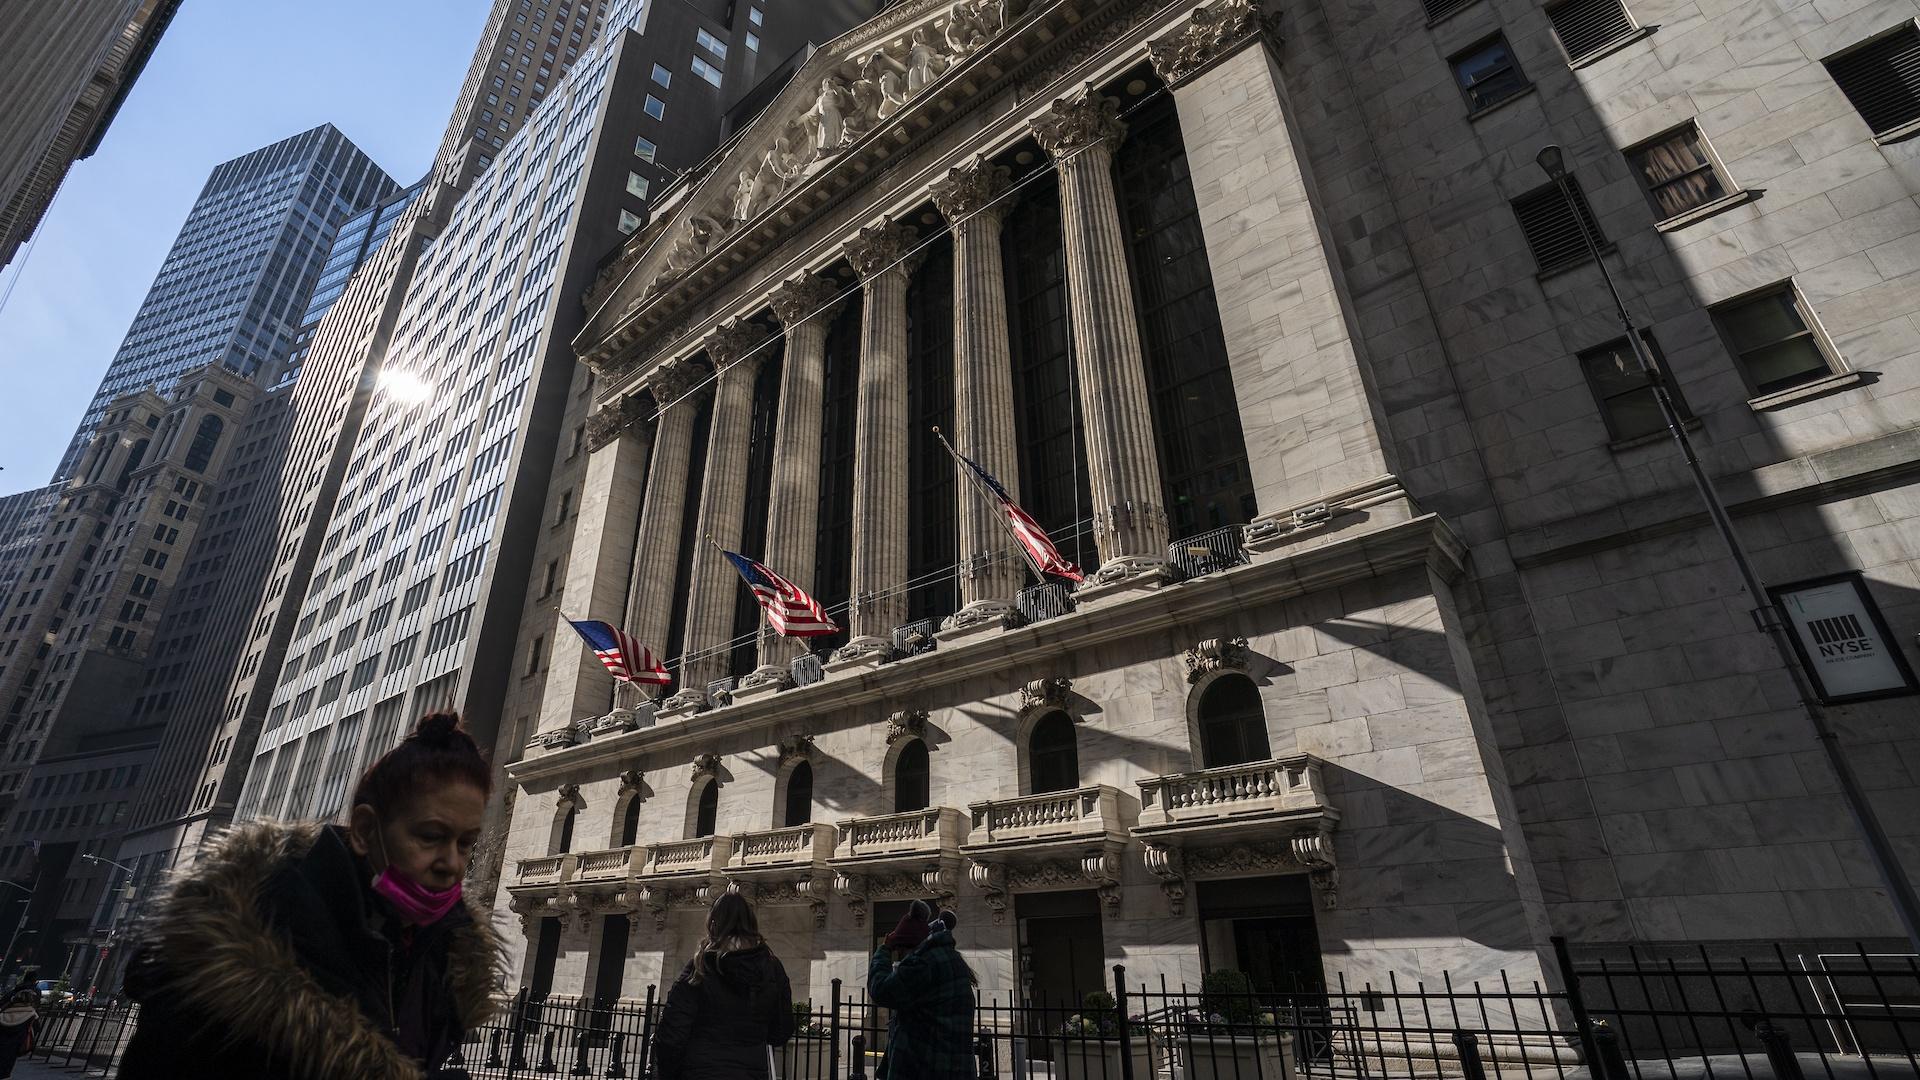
(1552, 161)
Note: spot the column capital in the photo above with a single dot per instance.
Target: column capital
(614, 419)
(879, 248)
(1079, 121)
(801, 297)
(971, 188)
(674, 380)
(1214, 31)
(734, 343)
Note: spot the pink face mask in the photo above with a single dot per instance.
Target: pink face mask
(416, 904)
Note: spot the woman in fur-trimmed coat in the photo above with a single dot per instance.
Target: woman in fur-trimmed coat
(308, 951)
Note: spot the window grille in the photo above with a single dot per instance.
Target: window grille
(1440, 9)
(1882, 78)
(1552, 231)
(1584, 27)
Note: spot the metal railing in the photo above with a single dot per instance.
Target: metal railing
(1209, 552)
(85, 1039)
(1047, 600)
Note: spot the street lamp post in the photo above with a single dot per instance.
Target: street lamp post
(113, 927)
(1765, 614)
(6, 959)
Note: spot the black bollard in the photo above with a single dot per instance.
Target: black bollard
(983, 1053)
(1773, 1038)
(580, 1053)
(493, 1049)
(615, 1070)
(1471, 1066)
(546, 1052)
(1612, 1064)
(859, 1058)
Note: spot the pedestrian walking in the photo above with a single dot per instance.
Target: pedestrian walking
(19, 1020)
(919, 975)
(310, 951)
(730, 1005)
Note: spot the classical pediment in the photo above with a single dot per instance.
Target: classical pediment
(846, 102)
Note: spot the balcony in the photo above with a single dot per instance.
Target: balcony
(1060, 839)
(676, 861)
(789, 866)
(617, 864)
(1236, 820)
(898, 856)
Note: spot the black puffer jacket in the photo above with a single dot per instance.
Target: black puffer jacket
(720, 1027)
(271, 959)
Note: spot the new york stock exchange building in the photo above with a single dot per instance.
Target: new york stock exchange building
(1231, 301)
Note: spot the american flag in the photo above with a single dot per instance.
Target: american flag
(1025, 529)
(790, 611)
(623, 657)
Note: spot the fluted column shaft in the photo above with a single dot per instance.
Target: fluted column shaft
(992, 572)
(656, 547)
(880, 443)
(793, 511)
(1130, 522)
(723, 496)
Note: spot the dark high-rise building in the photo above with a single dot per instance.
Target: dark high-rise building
(65, 67)
(21, 517)
(236, 283)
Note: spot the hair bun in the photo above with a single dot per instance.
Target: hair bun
(441, 729)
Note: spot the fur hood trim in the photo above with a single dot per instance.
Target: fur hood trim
(220, 960)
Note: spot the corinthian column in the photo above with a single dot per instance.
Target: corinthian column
(991, 570)
(805, 306)
(656, 546)
(1129, 522)
(880, 445)
(723, 495)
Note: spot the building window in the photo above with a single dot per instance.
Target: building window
(636, 185)
(629, 221)
(911, 778)
(1622, 390)
(833, 531)
(1585, 27)
(644, 149)
(706, 815)
(1772, 338)
(563, 837)
(706, 71)
(933, 541)
(630, 822)
(753, 41)
(1679, 172)
(799, 807)
(1882, 78)
(1440, 9)
(656, 108)
(1233, 726)
(710, 43)
(758, 496)
(1488, 74)
(1553, 232)
(756, 16)
(1052, 758)
(662, 76)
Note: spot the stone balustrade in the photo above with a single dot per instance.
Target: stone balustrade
(935, 830)
(1275, 788)
(1089, 813)
(799, 846)
(614, 864)
(547, 870)
(699, 857)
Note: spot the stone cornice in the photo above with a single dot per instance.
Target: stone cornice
(1422, 541)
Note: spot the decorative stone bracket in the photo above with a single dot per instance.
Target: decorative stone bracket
(906, 724)
(706, 765)
(1176, 866)
(795, 749)
(941, 881)
(1098, 866)
(1217, 654)
(631, 781)
(1049, 693)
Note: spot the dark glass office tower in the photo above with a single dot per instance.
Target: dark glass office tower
(236, 284)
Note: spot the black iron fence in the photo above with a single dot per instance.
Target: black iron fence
(1626, 1013)
(84, 1039)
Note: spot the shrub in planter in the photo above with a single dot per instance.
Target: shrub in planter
(805, 1057)
(1089, 1047)
(1230, 1037)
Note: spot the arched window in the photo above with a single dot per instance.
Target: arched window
(799, 796)
(1233, 727)
(630, 824)
(708, 813)
(134, 457)
(1051, 755)
(912, 778)
(204, 440)
(564, 843)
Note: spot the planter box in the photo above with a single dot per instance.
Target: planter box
(804, 1058)
(1237, 1057)
(1099, 1059)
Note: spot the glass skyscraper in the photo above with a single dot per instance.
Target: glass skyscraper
(235, 286)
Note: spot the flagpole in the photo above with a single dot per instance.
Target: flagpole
(999, 515)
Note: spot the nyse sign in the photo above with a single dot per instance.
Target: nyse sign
(1842, 640)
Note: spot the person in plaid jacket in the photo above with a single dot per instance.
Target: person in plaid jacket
(919, 975)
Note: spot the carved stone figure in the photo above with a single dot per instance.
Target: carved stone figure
(831, 111)
(924, 62)
(972, 24)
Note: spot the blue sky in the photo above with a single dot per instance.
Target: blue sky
(229, 76)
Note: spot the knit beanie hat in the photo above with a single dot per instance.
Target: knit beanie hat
(912, 929)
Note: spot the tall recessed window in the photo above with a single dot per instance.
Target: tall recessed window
(1622, 390)
(799, 808)
(564, 843)
(1052, 757)
(707, 814)
(630, 823)
(1773, 340)
(753, 41)
(1233, 727)
(655, 107)
(1586, 27)
(912, 778)
(644, 149)
(1881, 77)
(1678, 172)
(1488, 74)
